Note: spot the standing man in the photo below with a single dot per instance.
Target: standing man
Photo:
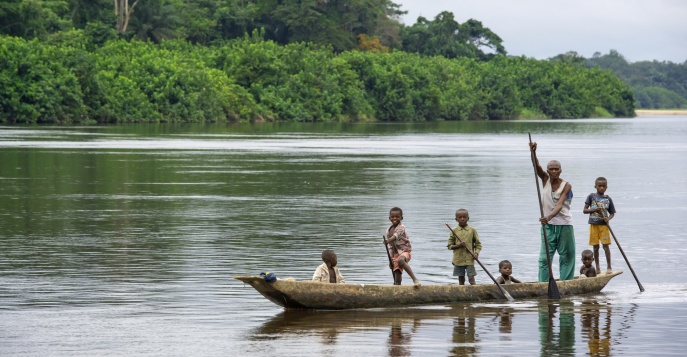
(557, 221)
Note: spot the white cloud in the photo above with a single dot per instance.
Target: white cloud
(638, 29)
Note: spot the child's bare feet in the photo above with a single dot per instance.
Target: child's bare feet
(598, 270)
(609, 270)
(417, 283)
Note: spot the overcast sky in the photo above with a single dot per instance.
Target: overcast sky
(640, 30)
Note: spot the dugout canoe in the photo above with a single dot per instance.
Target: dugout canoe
(292, 294)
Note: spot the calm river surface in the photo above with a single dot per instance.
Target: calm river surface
(124, 240)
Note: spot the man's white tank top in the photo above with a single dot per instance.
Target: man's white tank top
(549, 201)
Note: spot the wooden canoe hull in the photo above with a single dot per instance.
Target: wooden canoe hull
(292, 294)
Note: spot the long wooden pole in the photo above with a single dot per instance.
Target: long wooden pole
(553, 288)
(391, 262)
(641, 288)
(503, 291)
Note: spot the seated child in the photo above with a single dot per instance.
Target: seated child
(506, 269)
(587, 270)
(328, 272)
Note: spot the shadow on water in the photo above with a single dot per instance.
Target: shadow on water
(587, 326)
(298, 321)
(223, 129)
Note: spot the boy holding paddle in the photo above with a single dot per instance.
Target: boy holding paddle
(398, 246)
(601, 210)
(463, 261)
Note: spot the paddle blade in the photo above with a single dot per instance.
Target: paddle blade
(507, 295)
(553, 290)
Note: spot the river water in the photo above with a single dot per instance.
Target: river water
(124, 240)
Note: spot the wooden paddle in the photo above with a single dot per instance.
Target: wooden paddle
(503, 291)
(553, 288)
(391, 262)
(641, 288)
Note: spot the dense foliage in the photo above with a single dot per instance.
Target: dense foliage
(341, 24)
(445, 37)
(248, 79)
(105, 61)
(656, 85)
(327, 22)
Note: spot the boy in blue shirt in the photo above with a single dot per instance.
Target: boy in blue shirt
(600, 208)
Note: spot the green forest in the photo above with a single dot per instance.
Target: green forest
(656, 85)
(133, 61)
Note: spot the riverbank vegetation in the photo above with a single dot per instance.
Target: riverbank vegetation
(196, 61)
(656, 84)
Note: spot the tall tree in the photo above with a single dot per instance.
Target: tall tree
(157, 20)
(123, 10)
(305, 21)
(234, 18)
(481, 38)
(329, 22)
(570, 57)
(378, 18)
(82, 12)
(444, 36)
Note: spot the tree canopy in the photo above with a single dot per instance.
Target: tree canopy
(335, 23)
(444, 36)
(656, 84)
(251, 79)
(104, 61)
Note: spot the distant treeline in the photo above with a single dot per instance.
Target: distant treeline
(252, 79)
(656, 85)
(105, 61)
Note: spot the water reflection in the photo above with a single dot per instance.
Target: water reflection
(465, 338)
(399, 340)
(471, 329)
(320, 322)
(237, 130)
(400, 326)
(556, 327)
(505, 324)
(596, 327)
